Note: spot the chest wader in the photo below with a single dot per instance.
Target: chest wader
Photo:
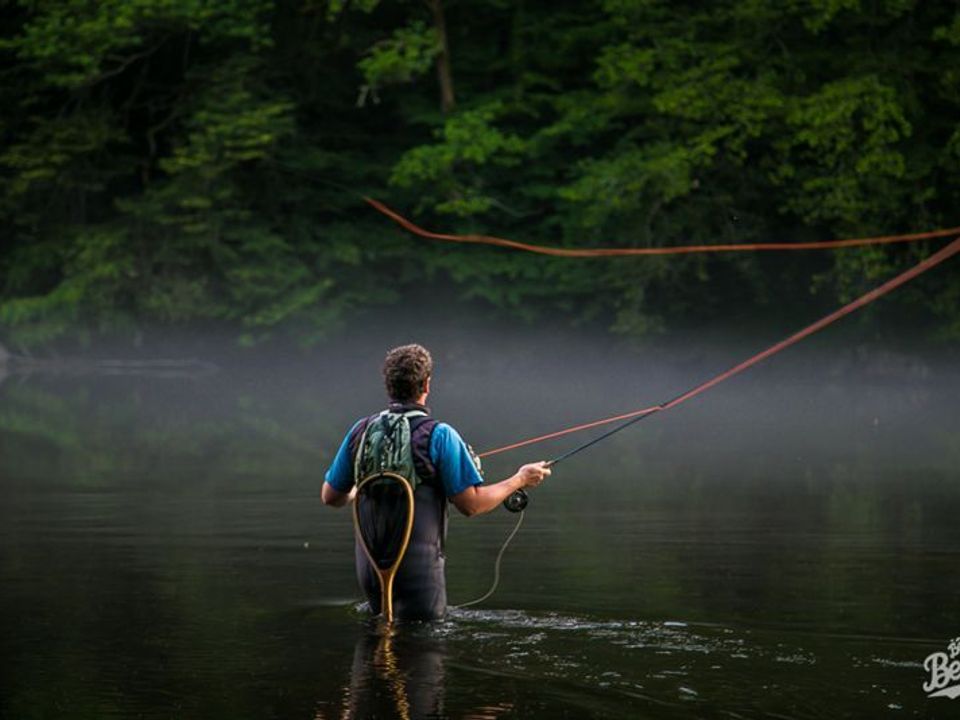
(383, 510)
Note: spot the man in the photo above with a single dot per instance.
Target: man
(445, 470)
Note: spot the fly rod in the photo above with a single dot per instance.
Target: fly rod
(518, 500)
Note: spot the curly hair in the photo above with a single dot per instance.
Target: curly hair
(405, 371)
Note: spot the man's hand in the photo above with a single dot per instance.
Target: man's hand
(533, 474)
(484, 498)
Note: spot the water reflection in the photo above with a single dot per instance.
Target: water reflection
(401, 672)
(395, 675)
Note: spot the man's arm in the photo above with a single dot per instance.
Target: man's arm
(479, 499)
(338, 488)
(335, 498)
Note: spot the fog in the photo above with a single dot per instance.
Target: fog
(836, 395)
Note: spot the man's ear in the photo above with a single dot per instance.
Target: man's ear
(426, 385)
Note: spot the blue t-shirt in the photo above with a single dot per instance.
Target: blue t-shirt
(448, 453)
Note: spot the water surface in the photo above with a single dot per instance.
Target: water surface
(785, 546)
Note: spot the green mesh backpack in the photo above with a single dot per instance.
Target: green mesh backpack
(386, 446)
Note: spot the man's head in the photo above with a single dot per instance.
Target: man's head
(406, 372)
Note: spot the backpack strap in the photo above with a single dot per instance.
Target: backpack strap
(357, 438)
(421, 434)
(356, 435)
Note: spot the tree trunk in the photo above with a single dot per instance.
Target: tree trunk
(444, 74)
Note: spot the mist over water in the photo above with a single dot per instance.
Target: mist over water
(791, 532)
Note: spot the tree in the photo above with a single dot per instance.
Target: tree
(192, 162)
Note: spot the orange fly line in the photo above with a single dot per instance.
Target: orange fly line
(679, 250)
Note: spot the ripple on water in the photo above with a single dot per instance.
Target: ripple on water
(689, 662)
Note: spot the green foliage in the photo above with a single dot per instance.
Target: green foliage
(173, 162)
(76, 42)
(846, 138)
(454, 168)
(407, 54)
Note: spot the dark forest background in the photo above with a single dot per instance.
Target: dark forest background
(201, 164)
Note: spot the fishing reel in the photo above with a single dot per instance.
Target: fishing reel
(516, 501)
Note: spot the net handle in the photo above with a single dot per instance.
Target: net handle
(385, 577)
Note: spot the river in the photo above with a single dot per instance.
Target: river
(785, 546)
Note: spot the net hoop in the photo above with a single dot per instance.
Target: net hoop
(387, 575)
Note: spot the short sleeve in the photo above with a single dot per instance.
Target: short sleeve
(452, 460)
(340, 474)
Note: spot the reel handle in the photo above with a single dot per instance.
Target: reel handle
(516, 501)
